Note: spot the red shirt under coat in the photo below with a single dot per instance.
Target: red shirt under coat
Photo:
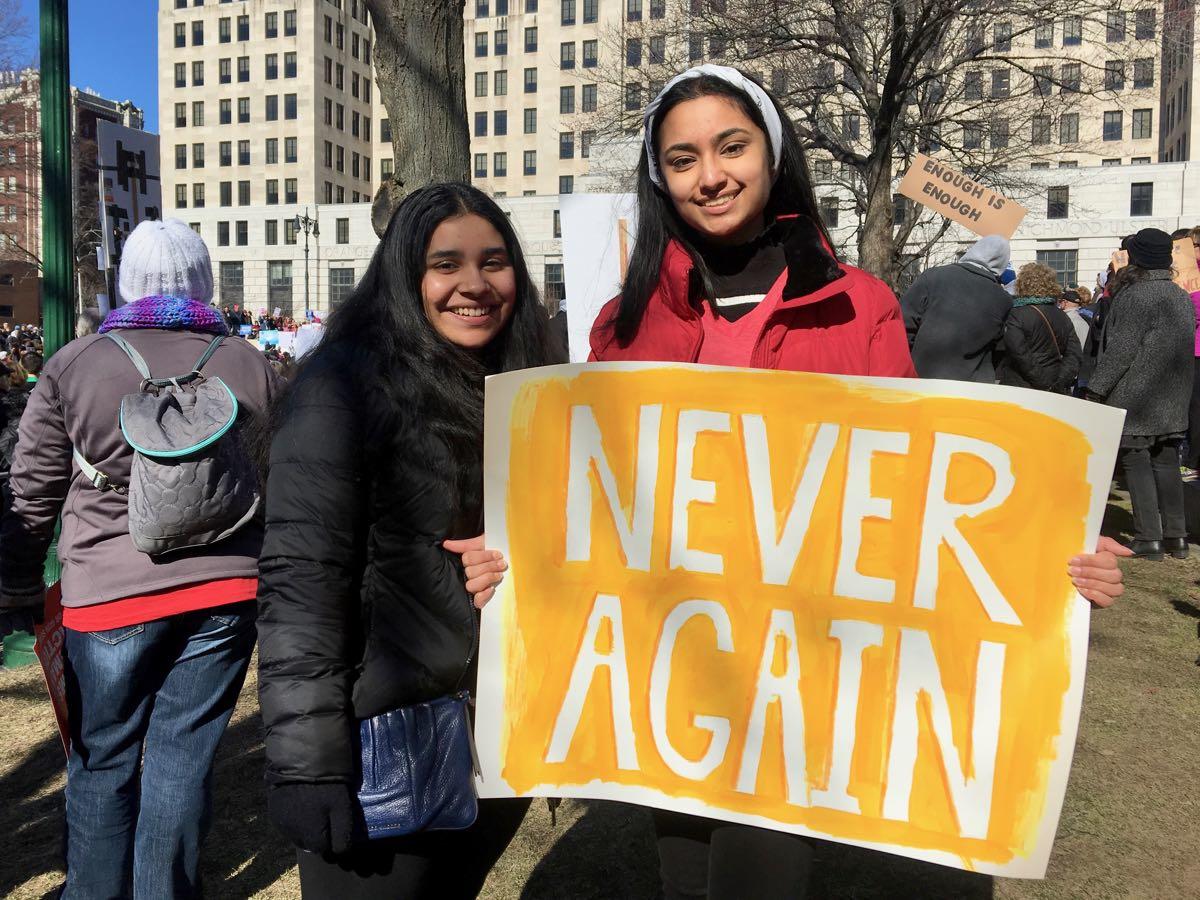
(847, 325)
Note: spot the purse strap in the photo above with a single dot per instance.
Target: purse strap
(1049, 328)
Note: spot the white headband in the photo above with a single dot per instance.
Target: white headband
(731, 76)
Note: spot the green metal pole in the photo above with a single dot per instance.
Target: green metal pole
(58, 264)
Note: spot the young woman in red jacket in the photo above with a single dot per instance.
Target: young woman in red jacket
(731, 266)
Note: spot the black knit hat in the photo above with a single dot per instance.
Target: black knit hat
(1150, 248)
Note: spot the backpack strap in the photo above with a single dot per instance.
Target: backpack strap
(98, 479)
(212, 348)
(134, 356)
(144, 369)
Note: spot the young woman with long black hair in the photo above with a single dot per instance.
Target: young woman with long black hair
(732, 266)
(375, 461)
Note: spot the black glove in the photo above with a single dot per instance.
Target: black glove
(315, 817)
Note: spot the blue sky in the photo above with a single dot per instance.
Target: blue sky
(114, 49)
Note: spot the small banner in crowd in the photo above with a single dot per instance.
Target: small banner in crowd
(48, 646)
(827, 605)
(1187, 273)
(956, 196)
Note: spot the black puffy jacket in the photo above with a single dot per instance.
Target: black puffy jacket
(1041, 349)
(361, 610)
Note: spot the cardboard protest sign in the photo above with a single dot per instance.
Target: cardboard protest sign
(48, 646)
(1120, 259)
(598, 232)
(827, 605)
(130, 189)
(1187, 273)
(956, 196)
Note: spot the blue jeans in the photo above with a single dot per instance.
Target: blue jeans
(156, 696)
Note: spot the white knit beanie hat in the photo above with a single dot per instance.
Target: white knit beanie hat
(165, 259)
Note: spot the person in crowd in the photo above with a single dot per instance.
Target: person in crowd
(1073, 302)
(156, 647)
(31, 362)
(1191, 459)
(955, 314)
(375, 460)
(731, 266)
(1147, 353)
(1041, 349)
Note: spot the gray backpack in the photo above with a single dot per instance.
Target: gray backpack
(192, 483)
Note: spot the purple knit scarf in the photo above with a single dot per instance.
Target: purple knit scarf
(166, 312)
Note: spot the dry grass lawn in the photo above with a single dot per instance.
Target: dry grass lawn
(1130, 827)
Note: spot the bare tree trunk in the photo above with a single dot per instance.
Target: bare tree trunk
(877, 240)
(421, 77)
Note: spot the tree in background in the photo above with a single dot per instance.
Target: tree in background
(421, 77)
(990, 86)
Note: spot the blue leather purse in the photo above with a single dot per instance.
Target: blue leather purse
(418, 768)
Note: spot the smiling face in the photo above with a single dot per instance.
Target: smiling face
(469, 288)
(716, 164)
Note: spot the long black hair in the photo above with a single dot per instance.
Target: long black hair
(659, 223)
(411, 381)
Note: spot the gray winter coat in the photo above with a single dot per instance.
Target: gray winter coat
(955, 317)
(1147, 355)
(75, 404)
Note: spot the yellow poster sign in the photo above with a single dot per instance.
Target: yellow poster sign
(834, 606)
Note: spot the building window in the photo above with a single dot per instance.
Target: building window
(530, 162)
(531, 81)
(499, 165)
(197, 34)
(566, 55)
(1000, 83)
(181, 115)
(198, 195)
(181, 156)
(232, 282)
(481, 9)
(271, 111)
(1115, 33)
(271, 25)
(271, 66)
(197, 156)
(481, 43)
(585, 143)
(1114, 75)
(222, 234)
(1068, 128)
(225, 153)
(180, 75)
(531, 6)
(1043, 35)
(272, 151)
(972, 136)
(242, 233)
(243, 193)
(1141, 198)
(501, 42)
(568, 12)
(555, 286)
(589, 54)
(1043, 79)
(1145, 27)
(243, 153)
(500, 122)
(279, 285)
(1002, 37)
(481, 84)
(341, 229)
(633, 52)
(851, 126)
(633, 10)
(481, 124)
(658, 50)
(531, 40)
(289, 150)
(341, 284)
(289, 106)
(181, 196)
(289, 231)
(180, 34)
(481, 165)
(566, 184)
(1114, 125)
(499, 83)
(243, 109)
(1072, 31)
(591, 11)
(289, 23)
(1058, 202)
(633, 97)
(243, 68)
(999, 134)
(589, 98)
(1040, 130)
(225, 70)
(1071, 78)
(243, 28)
(272, 191)
(289, 65)
(1065, 264)
(1143, 73)
(197, 113)
(1143, 124)
(271, 232)
(566, 99)
(566, 146)
(530, 120)
(829, 211)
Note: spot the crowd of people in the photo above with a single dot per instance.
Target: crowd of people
(360, 552)
(1132, 343)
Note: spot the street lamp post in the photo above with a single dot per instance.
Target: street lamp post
(308, 226)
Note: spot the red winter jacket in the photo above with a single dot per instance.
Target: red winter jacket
(829, 318)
